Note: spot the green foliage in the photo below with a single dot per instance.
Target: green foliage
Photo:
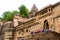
(8, 15)
(0, 18)
(15, 12)
(23, 11)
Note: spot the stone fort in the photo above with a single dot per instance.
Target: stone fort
(46, 18)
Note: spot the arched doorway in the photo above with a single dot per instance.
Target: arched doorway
(46, 25)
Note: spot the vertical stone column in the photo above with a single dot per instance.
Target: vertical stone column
(9, 33)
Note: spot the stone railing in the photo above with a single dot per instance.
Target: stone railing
(27, 24)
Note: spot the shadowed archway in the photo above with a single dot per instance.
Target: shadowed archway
(46, 25)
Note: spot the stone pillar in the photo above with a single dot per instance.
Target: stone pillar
(9, 33)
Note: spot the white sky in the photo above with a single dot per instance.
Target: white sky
(9, 5)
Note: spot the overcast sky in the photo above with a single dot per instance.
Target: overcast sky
(9, 5)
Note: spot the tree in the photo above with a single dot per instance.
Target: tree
(23, 11)
(7, 16)
(0, 18)
(15, 12)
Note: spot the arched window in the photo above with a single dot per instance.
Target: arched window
(26, 30)
(19, 32)
(22, 30)
(49, 10)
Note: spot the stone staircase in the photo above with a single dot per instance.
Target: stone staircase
(45, 36)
